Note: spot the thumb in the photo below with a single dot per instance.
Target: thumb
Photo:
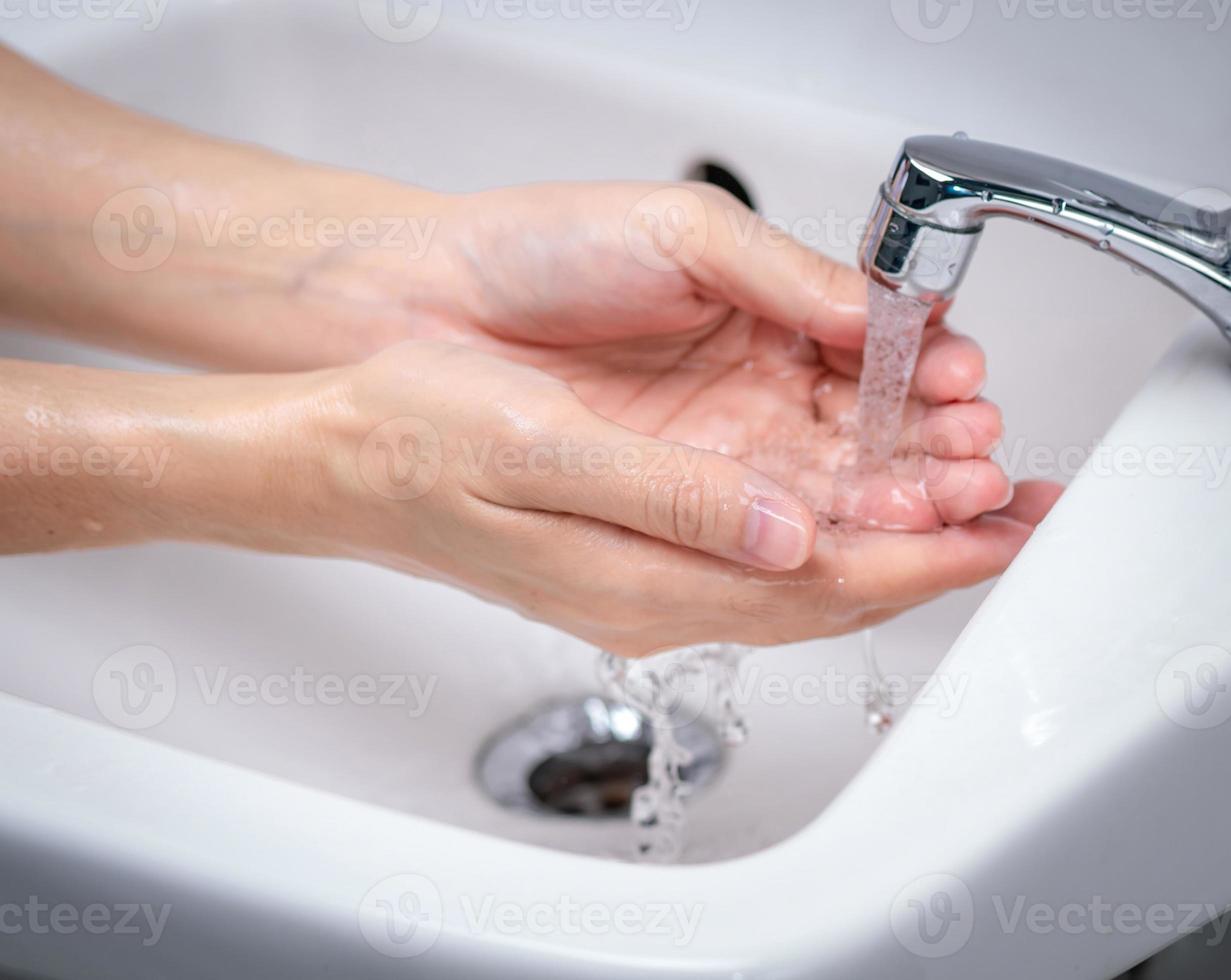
(691, 497)
(759, 267)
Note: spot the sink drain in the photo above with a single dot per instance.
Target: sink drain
(584, 758)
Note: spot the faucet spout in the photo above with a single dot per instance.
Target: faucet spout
(930, 212)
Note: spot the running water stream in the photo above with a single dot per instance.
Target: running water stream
(656, 687)
(890, 350)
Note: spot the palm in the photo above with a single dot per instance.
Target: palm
(740, 386)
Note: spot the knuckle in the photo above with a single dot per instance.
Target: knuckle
(714, 196)
(690, 505)
(552, 408)
(824, 272)
(995, 424)
(532, 412)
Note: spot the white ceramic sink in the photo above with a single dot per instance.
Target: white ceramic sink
(309, 839)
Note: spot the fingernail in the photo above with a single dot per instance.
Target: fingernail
(974, 389)
(1008, 497)
(967, 378)
(775, 534)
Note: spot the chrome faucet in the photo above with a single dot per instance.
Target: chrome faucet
(929, 214)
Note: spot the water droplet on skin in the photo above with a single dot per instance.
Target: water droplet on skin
(40, 417)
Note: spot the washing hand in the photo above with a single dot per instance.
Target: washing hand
(614, 407)
(636, 532)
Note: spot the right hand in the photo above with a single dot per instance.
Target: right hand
(449, 463)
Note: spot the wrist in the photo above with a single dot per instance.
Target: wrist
(229, 256)
(360, 263)
(294, 267)
(90, 458)
(243, 463)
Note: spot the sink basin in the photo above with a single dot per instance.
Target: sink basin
(155, 744)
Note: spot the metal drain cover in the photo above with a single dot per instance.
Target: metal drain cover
(584, 758)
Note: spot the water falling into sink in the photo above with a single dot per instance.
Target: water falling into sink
(653, 687)
(659, 689)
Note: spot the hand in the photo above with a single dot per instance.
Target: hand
(450, 463)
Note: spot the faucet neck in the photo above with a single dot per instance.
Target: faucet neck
(942, 189)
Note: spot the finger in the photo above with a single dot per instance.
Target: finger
(636, 595)
(921, 494)
(950, 368)
(937, 315)
(763, 270)
(951, 431)
(958, 430)
(691, 497)
(854, 579)
(1032, 500)
(986, 488)
(899, 569)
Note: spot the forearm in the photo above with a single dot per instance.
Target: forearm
(132, 233)
(92, 458)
